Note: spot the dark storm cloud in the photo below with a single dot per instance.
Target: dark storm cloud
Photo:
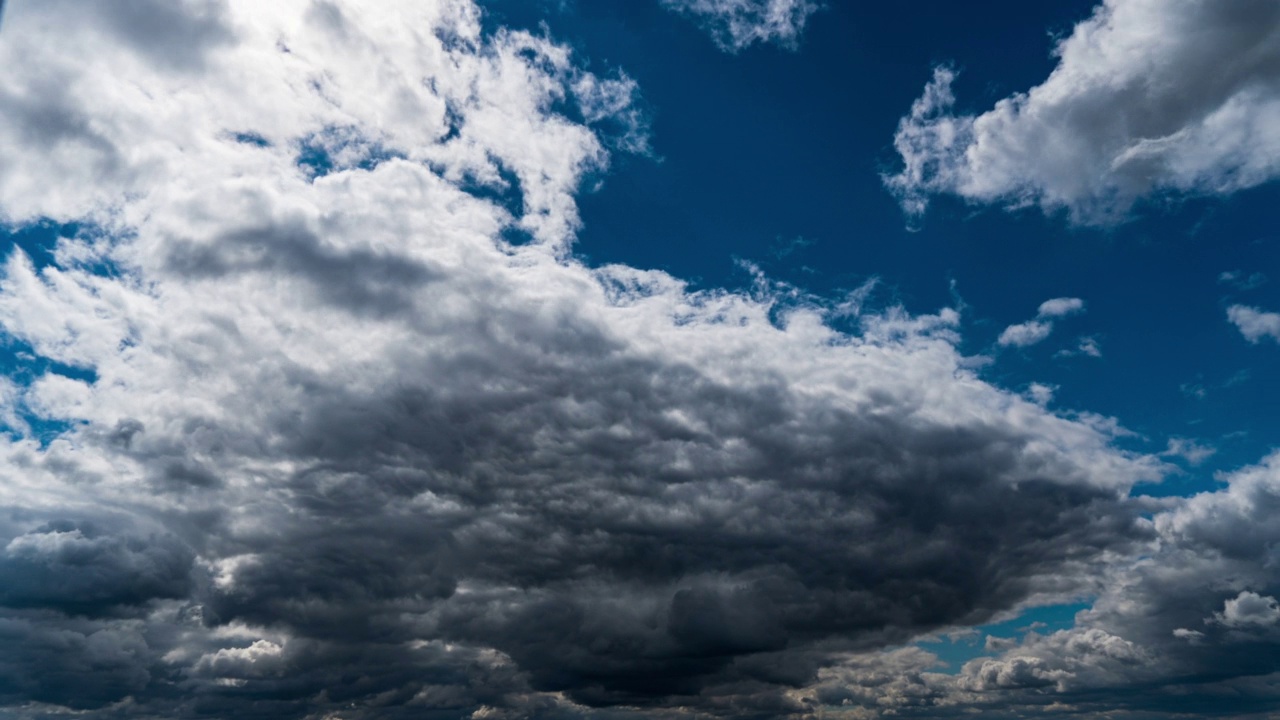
(622, 558)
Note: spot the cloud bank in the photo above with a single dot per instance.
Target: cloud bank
(320, 417)
(1148, 98)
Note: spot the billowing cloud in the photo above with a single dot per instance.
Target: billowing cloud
(1190, 625)
(1249, 609)
(1148, 97)
(331, 419)
(1036, 331)
(737, 24)
(1254, 323)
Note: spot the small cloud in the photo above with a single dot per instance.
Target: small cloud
(1189, 450)
(784, 246)
(1194, 390)
(1034, 331)
(1060, 307)
(1194, 637)
(999, 644)
(1242, 282)
(1248, 609)
(1239, 378)
(1255, 324)
(1040, 393)
(1087, 345)
(1025, 334)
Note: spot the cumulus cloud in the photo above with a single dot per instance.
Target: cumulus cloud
(1025, 334)
(737, 24)
(342, 426)
(1249, 609)
(1037, 330)
(1148, 97)
(1189, 625)
(1254, 323)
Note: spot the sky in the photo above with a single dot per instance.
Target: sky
(635, 359)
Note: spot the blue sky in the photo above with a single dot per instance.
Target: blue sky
(630, 359)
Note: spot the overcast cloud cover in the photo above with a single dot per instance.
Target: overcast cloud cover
(320, 415)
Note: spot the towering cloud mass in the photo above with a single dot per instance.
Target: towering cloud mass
(737, 24)
(316, 416)
(1148, 97)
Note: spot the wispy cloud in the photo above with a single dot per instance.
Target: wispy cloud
(1035, 331)
(738, 24)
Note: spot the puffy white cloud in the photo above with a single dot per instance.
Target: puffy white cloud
(1060, 307)
(1255, 324)
(737, 24)
(1147, 97)
(1025, 334)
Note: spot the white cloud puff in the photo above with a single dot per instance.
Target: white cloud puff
(1148, 97)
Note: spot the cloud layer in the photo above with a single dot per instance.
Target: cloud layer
(322, 419)
(1147, 98)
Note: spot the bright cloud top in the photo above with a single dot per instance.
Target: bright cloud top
(737, 24)
(1254, 323)
(1148, 97)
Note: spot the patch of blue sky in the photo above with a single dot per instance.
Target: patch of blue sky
(956, 649)
(19, 362)
(337, 149)
(251, 138)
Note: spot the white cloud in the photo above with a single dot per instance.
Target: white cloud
(1254, 324)
(1189, 450)
(1025, 334)
(1061, 307)
(737, 24)
(1036, 331)
(1148, 97)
